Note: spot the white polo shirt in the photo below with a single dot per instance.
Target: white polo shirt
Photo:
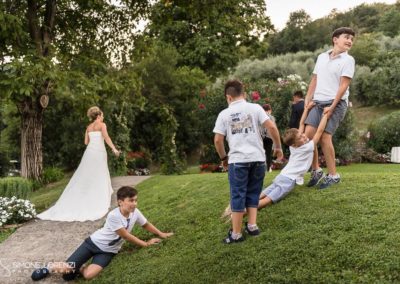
(241, 123)
(328, 73)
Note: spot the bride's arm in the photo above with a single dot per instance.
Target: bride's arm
(86, 137)
(108, 139)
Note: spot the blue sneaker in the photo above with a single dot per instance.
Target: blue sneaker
(255, 232)
(316, 177)
(328, 181)
(40, 273)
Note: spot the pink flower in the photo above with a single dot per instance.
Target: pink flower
(202, 106)
(255, 96)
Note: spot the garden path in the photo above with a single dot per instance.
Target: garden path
(40, 242)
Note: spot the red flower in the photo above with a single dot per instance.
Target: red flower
(202, 106)
(255, 96)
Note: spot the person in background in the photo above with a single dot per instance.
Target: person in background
(297, 109)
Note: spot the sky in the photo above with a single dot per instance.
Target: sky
(279, 10)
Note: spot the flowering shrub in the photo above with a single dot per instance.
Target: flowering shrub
(14, 210)
(211, 168)
(139, 172)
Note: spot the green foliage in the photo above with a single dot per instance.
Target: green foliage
(385, 133)
(365, 49)
(167, 124)
(51, 174)
(15, 186)
(209, 34)
(382, 84)
(389, 23)
(345, 137)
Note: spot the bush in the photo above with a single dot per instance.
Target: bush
(15, 186)
(385, 133)
(52, 174)
(14, 210)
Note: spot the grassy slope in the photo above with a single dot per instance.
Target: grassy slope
(365, 115)
(344, 234)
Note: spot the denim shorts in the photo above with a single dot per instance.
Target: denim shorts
(280, 187)
(83, 253)
(246, 182)
(314, 117)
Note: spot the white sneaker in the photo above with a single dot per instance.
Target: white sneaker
(300, 180)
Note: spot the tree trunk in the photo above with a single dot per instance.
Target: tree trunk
(31, 139)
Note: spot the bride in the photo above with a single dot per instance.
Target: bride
(87, 196)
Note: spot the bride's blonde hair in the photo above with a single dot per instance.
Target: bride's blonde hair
(93, 113)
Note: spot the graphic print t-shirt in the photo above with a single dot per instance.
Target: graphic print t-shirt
(107, 239)
(241, 123)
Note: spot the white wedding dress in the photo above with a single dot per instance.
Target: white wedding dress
(87, 196)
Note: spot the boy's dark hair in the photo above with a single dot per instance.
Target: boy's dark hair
(289, 137)
(267, 107)
(126, 191)
(233, 88)
(298, 94)
(342, 30)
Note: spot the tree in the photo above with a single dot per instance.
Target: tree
(389, 24)
(38, 42)
(291, 38)
(208, 34)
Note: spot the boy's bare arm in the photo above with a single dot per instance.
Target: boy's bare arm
(152, 229)
(344, 84)
(311, 89)
(123, 233)
(307, 108)
(219, 145)
(321, 128)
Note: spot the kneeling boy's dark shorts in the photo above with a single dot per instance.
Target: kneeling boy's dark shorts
(314, 117)
(83, 253)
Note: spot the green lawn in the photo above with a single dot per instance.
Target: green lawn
(349, 233)
(4, 233)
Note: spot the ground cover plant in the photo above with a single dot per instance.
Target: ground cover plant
(348, 233)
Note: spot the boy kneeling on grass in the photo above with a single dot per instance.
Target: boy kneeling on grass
(301, 156)
(105, 243)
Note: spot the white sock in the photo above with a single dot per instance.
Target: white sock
(252, 227)
(236, 236)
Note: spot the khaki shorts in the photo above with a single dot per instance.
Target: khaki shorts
(314, 117)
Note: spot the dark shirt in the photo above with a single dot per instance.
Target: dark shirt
(297, 112)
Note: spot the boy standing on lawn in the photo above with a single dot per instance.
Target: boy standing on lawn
(329, 89)
(105, 243)
(240, 123)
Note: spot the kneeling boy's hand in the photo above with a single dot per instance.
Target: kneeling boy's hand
(153, 241)
(165, 235)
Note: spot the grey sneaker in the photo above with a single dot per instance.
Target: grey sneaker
(328, 181)
(316, 177)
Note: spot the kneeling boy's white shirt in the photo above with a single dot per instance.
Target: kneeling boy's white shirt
(241, 123)
(300, 160)
(106, 237)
